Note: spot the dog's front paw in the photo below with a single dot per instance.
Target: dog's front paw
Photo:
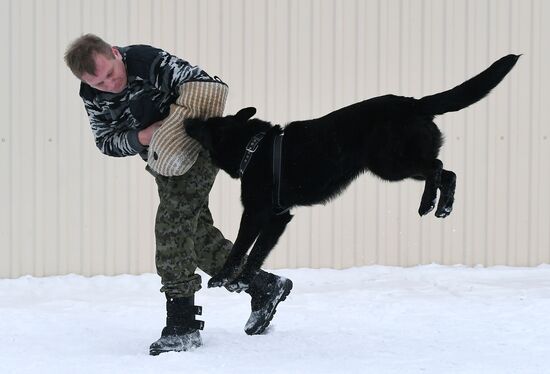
(237, 285)
(242, 282)
(218, 281)
(227, 274)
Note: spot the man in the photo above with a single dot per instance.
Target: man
(127, 92)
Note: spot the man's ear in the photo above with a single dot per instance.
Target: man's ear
(116, 53)
(245, 114)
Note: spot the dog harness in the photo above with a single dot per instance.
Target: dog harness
(278, 208)
(251, 147)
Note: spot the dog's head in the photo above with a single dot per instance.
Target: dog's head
(224, 137)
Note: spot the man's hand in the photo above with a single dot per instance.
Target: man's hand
(145, 135)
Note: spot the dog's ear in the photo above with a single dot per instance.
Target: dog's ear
(245, 114)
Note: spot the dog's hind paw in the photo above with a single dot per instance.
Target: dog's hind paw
(426, 208)
(443, 212)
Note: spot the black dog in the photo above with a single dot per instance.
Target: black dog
(393, 137)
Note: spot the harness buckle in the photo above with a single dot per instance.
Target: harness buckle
(252, 146)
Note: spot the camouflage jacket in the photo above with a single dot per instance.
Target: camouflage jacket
(154, 77)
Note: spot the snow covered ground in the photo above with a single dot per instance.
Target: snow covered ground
(426, 319)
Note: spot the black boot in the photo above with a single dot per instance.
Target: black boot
(182, 330)
(267, 291)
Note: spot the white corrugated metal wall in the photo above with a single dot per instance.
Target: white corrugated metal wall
(66, 208)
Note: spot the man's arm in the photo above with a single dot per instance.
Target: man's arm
(110, 140)
(169, 72)
(145, 135)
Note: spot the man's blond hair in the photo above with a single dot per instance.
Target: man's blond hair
(79, 55)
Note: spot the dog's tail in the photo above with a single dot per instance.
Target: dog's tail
(469, 92)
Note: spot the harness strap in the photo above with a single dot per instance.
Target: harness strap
(278, 208)
(251, 147)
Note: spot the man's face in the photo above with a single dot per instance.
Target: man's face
(110, 73)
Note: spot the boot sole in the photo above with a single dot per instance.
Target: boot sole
(184, 346)
(286, 291)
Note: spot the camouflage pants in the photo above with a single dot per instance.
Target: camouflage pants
(185, 235)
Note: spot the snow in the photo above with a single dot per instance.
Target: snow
(375, 319)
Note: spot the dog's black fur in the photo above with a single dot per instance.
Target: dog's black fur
(394, 137)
